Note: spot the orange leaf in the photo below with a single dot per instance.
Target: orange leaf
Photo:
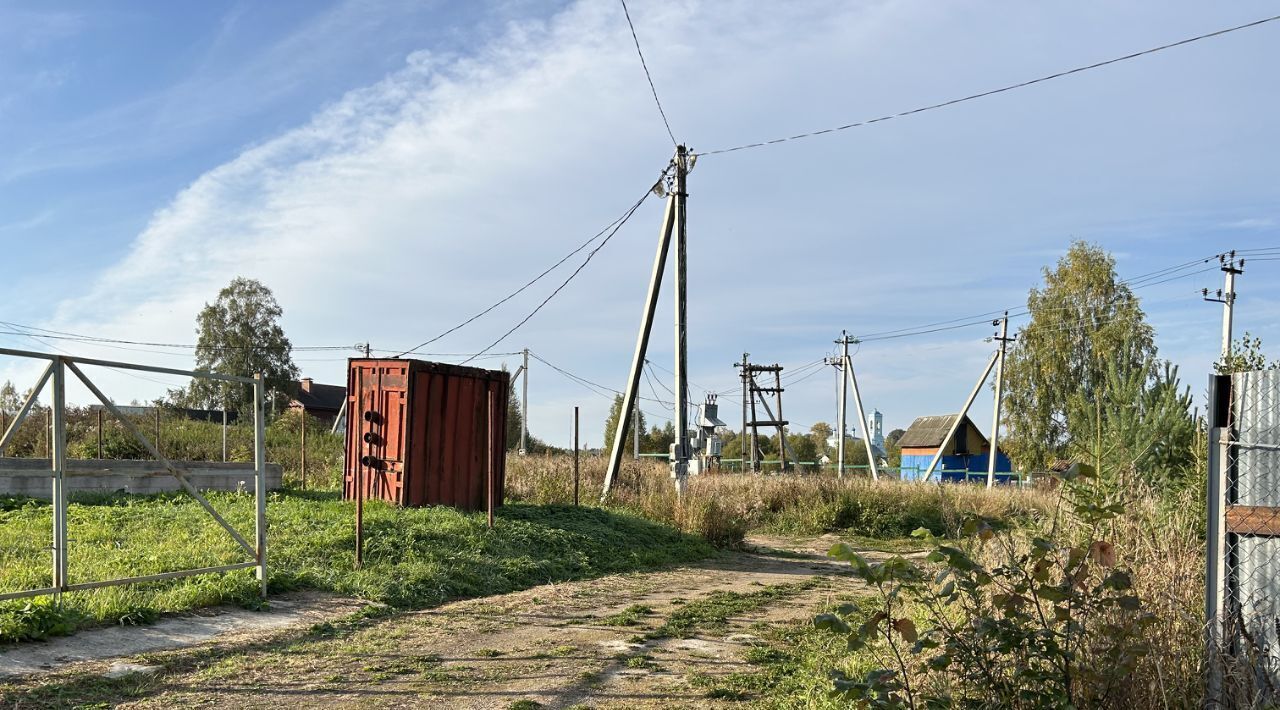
(1103, 553)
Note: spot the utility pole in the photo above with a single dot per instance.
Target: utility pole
(524, 403)
(1004, 339)
(675, 212)
(368, 351)
(841, 411)
(862, 413)
(680, 467)
(1227, 297)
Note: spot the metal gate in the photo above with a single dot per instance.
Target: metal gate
(55, 374)
(1243, 584)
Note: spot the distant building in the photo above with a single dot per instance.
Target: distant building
(875, 425)
(966, 454)
(320, 401)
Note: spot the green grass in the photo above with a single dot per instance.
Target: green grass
(629, 616)
(414, 558)
(791, 668)
(714, 610)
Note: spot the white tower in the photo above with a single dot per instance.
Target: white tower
(875, 425)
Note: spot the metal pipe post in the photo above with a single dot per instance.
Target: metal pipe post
(304, 449)
(680, 468)
(575, 456)
(100, 434)
(960, 417)
(635, 431)
(224, 430)
(862, 417)
(58, 462)
(524, 404)
(995, 418)
(629, 398)
(491, 431)
(260, 475)
(159, 447)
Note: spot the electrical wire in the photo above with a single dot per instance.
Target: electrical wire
(992, 92)
(612, 225)
(583, 265)
(648, 76)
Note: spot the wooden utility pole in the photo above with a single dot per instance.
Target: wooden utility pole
(751, 391)
(843, 407)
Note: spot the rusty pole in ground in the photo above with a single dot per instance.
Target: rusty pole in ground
(490, 430)
(575, 456)
(304, 449)
(158, 431)
(99, 433)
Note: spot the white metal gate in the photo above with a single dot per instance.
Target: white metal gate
(1243, 590)
(55, 374)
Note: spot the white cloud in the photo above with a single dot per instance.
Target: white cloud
(409, 204)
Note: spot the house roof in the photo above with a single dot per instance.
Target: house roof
(929, 432)
(320, 397)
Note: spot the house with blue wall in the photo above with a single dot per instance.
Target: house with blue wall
(963, 458)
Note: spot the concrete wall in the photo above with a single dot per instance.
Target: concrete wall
(31, 477)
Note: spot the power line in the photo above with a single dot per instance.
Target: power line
(1000, 90)
(583, 265)
(645, 66)
(617, 222)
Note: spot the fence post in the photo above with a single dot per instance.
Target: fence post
(304, 449)
(58, 462)
(159, 447)
(575, 455)
(99, 433)
(260, 488)
(490, 432)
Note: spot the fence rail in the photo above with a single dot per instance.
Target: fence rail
(60, 468)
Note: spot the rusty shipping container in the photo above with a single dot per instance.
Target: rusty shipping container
(421, 433)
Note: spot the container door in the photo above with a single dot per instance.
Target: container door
(375, 433)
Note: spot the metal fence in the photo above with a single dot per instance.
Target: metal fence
(1243, 590)
(55, 375)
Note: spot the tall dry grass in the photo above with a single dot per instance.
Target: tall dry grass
(723, 507)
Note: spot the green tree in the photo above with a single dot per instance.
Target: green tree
(1246, 356)
(659, 441)
(611, 427)
(240, 334)
(819, 433)
(803, 447)
(10, 402)
(1138, 425)
(1084, 322)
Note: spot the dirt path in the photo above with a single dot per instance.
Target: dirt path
(643, 640)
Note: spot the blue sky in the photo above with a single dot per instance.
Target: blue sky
(390, 168)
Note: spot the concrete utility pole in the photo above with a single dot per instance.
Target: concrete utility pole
(680, 467)
(843, 406)
(862, 414)
(1004, 339)
(1227, 296)
(524, 403)
(933, 464)
(675, 212)
(742, 440)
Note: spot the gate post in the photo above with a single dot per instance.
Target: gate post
(1219, 434)
(260, 485)
(58, 464)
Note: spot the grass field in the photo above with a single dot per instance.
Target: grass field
(414, 557)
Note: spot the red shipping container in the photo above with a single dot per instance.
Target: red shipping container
(421, 433)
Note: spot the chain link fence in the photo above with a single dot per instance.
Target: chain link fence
(1243, 592)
